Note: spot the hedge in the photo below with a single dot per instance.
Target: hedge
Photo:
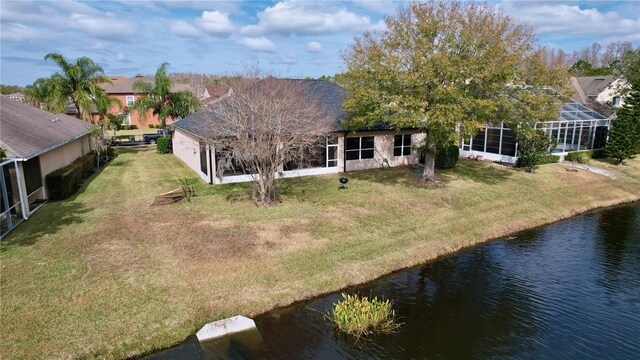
(579, 156)
(65, 181)
(548, 159)
(544, 159)
(129, 127)
(446, 157)
(164, 144)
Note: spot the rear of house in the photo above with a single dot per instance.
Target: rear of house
(341, 151)
(36, 143)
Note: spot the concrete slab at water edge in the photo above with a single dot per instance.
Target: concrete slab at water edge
(225, 327)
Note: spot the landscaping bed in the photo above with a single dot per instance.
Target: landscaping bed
(104, 274)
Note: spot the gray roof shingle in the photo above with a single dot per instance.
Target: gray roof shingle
(26, 131)
(593, 85)
(330, 97)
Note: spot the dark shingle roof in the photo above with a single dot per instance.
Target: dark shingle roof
(330, 97)
(26, 131)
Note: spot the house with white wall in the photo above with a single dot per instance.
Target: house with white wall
(601, 93)
(342, 150)
(35, 143)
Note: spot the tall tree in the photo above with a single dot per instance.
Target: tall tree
(447, 68)
(624, 137)
(264, 124)
(78, 82)
(161, 100)
(629, 67)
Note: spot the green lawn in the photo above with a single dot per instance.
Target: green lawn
(104, 274)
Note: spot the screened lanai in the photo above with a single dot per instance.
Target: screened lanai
(577, 128)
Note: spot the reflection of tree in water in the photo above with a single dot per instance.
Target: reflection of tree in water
(618, 246)
(464, 306)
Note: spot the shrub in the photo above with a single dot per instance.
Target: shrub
(129, 127)
(548, 159)
(164, 144)
(358, 316)
(533, 144)
(151, 126)
(598, 154)
(446, 156)
(582, 157)
(65, 181)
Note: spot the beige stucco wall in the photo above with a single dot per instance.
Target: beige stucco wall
(63, 156)
(187, 148)
(606, 96)
(383, 144)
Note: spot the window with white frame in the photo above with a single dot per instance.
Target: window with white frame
(126, 119)
(130, 99)
(402, 145)
(360, 147)
(616, 101)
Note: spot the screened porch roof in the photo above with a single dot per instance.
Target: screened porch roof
(572, 111)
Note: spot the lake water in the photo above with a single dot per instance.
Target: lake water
(570, 290)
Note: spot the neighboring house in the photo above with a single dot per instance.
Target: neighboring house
(577, 128)
(36, 143)
(17, 96)
(213, 93)
(601, 93)
(342, 151)
(121, 88)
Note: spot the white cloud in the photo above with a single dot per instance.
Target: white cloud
(102, 27)
(305, 17)
(258, 44)
(121, 57)
(289, 58)
(184, 29)
(216, 23)
(18, 33)
(381, 7)
(568, 19)
(314, 47)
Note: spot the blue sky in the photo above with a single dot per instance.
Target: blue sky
(289, 38)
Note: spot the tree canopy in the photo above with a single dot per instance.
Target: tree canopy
(447, 68)
(77, 82)
(161, 100)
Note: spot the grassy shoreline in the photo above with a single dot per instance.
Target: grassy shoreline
(105, 275)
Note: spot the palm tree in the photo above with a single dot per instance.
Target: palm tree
(45, 93)
(79, 82)
(104, 103)
(161, 100)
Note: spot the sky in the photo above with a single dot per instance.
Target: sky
(288, 38)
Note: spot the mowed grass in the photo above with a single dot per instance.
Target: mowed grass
(104, 274)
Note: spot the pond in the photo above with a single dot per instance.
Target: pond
(569, 290)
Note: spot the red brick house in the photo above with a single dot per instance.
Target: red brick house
(121, 88)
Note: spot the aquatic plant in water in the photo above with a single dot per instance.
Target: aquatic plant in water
(359, 317)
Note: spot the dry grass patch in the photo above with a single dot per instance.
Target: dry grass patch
(104, 274)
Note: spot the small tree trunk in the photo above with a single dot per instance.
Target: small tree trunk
(78, 115)
(429, 162)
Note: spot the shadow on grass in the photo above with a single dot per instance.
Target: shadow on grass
(476, 171)
(131, 149)
(401, 175)
(54, 215)
(48, 220)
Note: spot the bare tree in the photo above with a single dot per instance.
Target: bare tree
(263, 124)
